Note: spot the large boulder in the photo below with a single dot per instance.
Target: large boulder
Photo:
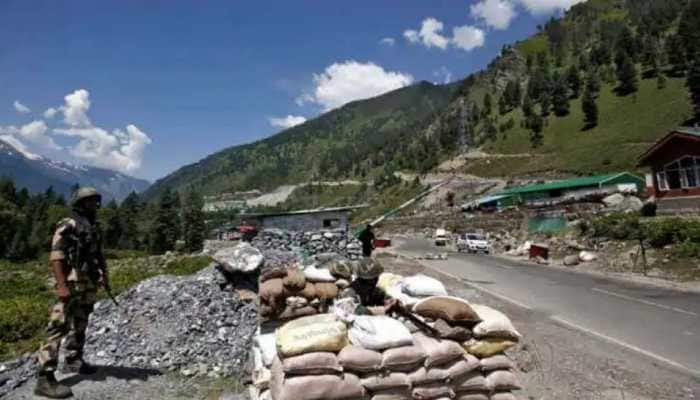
(571, 261)
(241, 258)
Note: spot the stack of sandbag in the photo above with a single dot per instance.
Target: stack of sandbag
(410, 290)
(297, 291)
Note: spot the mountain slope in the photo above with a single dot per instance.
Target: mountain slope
(38, 174)
(349, 141)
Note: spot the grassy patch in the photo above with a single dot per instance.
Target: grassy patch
(533, 46)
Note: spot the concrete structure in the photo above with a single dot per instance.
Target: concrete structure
(674, 179)
(336, 218)
(572, 190)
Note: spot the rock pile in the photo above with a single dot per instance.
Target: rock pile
(16, 372)
(311, 243)
(185, 324)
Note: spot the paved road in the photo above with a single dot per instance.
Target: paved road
(662, 324)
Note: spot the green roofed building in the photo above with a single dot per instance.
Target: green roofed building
(575, 189)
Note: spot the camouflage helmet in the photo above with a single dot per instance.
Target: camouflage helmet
(369, 268)
(84, 193)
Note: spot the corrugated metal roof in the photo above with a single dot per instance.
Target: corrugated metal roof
(297, 212)
(567, 184)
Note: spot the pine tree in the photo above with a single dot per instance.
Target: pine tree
(626, 45)
(573, 79)
(164, 229)
(626, 76)
(590, 109)
(689, 30)
(194, 229)
(503, 105)
(593, 83)
(130, 212)
(111, 225)
(675, 51)
(528, 106)
(488, 104)
(560, 96)
(545, 104)
(693, 84)
(8, 190)
(536, 125)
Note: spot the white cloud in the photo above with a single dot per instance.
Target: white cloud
(388, 41)
(443, 73)
(121, 151)
(430, 34)
(76, 108)
(19, 146)
(34, 132)
(497, 14)
(286, 122)
(344, 82)
(468, 37)
(21, 108)
(50, 113)
(548, 6)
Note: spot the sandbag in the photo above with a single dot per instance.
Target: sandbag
(405, 358)
(380, 381)
(357, 359)
(274, 273)
(497, 362)
(261, 378)
(503, 396)
(268, 349)
(459, 368)
(484, 348)
(433, 391)
(296, 302)
(341, 269)
(318, 387)
(326, 291)
(272, 293)
(503, 380)
(494, 324)
(388, 280)
(379, 333)
(396, 292)
(342, 283)
(456, 333)
(438, 351)
(314, 274)
(472, 396)
(319, 363)
(295, 280)
(392, 394)
(451, 309)
(309, 291)
(472, 382)
(423, 286)
(424, 376)
(291, 313)
(311, 334)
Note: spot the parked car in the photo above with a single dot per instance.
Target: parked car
(473, 243)
(441, 237)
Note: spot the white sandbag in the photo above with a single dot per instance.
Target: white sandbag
(379, 333)
(396, 292)
(314, 274)
(503, 380)
(423, 286)
(388, 280)
(494, 324)
(587, 256)
(266, 344)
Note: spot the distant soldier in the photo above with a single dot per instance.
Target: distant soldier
(78, 266)
(367, 239)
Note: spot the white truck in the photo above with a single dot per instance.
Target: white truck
(442, 238)
(473, 243)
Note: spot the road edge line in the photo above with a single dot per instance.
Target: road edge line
(609, 339)
(642, 301)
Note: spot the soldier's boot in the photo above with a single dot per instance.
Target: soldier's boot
(48, 386)
(78, 366)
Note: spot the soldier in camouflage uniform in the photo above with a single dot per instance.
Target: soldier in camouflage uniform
(364, 288)
(78, 266)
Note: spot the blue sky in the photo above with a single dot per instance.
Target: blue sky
(145, 87)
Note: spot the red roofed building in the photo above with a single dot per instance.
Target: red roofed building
(675, 170)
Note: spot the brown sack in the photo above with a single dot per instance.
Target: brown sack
(392, 394)
(434, 391)
(326, 291)
(503, 380)
(471, 382)
(295, 280)
(318, 363)
(450, 309)
(503, 396)
(460, 368)
(484, 348)
(272, 293)
(321, 387)
(379, 381)
(497, 362)
(309, 292)
(357, 359)
(406, 358)
(424, 376)
(456, 333)
(473, 396)
(274, 273)
(294, 313)
(439, 351)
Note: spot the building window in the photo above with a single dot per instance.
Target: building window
(661, 179)
(680, 174)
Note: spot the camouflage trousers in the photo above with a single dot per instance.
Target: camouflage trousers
(67, 323)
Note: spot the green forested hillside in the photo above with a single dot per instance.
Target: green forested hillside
(586, 94)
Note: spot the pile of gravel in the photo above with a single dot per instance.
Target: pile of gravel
(16, 372)
(194, 325)
(311, 243)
